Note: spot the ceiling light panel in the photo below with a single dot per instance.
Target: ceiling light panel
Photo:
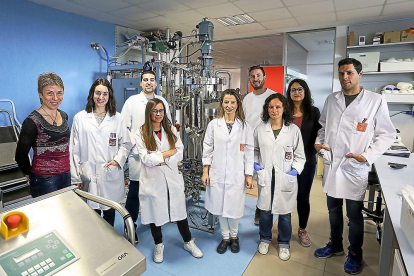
(238, 19)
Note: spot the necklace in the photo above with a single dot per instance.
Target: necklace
(54, 120)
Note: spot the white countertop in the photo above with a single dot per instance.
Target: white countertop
(392, 181)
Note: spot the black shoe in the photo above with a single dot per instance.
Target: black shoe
(222, 247)
(235, 245)
(257, 217)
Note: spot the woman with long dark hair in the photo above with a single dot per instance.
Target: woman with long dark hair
(306, 117)
(161, 191)
(99, 147)
(279, 157)
(228, 167)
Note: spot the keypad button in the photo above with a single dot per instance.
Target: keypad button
(34, 274)
(37, 266)
(63, 258)
(31, 270)
(46, 267)
(43, 263)
(27, 261)
(40, 254)
(64, 251)
(48, 260)
(52, 264)
(21, 264)
(40, 271)
(25, 273)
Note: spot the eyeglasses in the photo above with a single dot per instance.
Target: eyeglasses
(300, 90)
(157, 111)
(99, 93)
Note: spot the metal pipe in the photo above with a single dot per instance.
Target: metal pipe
(224, 72)
(129, 223)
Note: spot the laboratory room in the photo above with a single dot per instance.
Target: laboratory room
(225, 137)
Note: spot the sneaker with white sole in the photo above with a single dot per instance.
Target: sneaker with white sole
(304, 237)
(284, 253)
(193, 249)
(263, 248)
(159, 253)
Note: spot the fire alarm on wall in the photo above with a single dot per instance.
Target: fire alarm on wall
(361, 40)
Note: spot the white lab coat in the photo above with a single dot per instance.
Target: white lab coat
(283, 154)
(91, 147)
(228, 166)
(161, 191)
(346, 177)
(133, 112)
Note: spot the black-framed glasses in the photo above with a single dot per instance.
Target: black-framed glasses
(300, 90)
(158, 111)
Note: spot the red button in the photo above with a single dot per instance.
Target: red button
(13, 222)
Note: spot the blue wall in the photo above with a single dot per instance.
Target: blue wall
(36, 39)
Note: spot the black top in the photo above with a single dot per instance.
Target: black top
(349, 99)
(50, 145)
(309, 131)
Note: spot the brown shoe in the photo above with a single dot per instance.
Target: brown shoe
(304, 237)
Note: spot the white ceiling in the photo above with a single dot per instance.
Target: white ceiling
(234, 46)
(272, 16)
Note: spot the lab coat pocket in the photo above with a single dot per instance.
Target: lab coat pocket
(288, 182)
(147, 187)
(113, 173)
(354, 170)
(85, 171)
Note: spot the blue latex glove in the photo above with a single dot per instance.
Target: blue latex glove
(293, 172)
(257, 167)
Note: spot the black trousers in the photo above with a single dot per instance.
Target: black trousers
(108, 215)
(182, 227)
(305, 180)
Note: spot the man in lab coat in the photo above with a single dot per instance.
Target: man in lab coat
(356, 130)
(133, 112)
(253, 105)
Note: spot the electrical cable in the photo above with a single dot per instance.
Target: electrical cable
(397, 113)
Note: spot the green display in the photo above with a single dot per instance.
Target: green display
(43, 256)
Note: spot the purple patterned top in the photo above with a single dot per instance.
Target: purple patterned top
(50, 146)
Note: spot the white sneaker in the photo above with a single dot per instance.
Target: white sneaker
(193, 249)
(284, 253)
(263, 248)
(159, 253)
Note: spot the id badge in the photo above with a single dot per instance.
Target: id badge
(112, 140)
(362, 126)
(288, 154)
(242, 147)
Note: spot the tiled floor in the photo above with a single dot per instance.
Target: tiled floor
(302, 261)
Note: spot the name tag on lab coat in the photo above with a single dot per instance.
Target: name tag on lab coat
(112, 140)
(242, 147)
(362, 126)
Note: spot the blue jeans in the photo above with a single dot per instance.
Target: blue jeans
(41, 185)
(132, 201)
(356, 224)
(284, 225)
